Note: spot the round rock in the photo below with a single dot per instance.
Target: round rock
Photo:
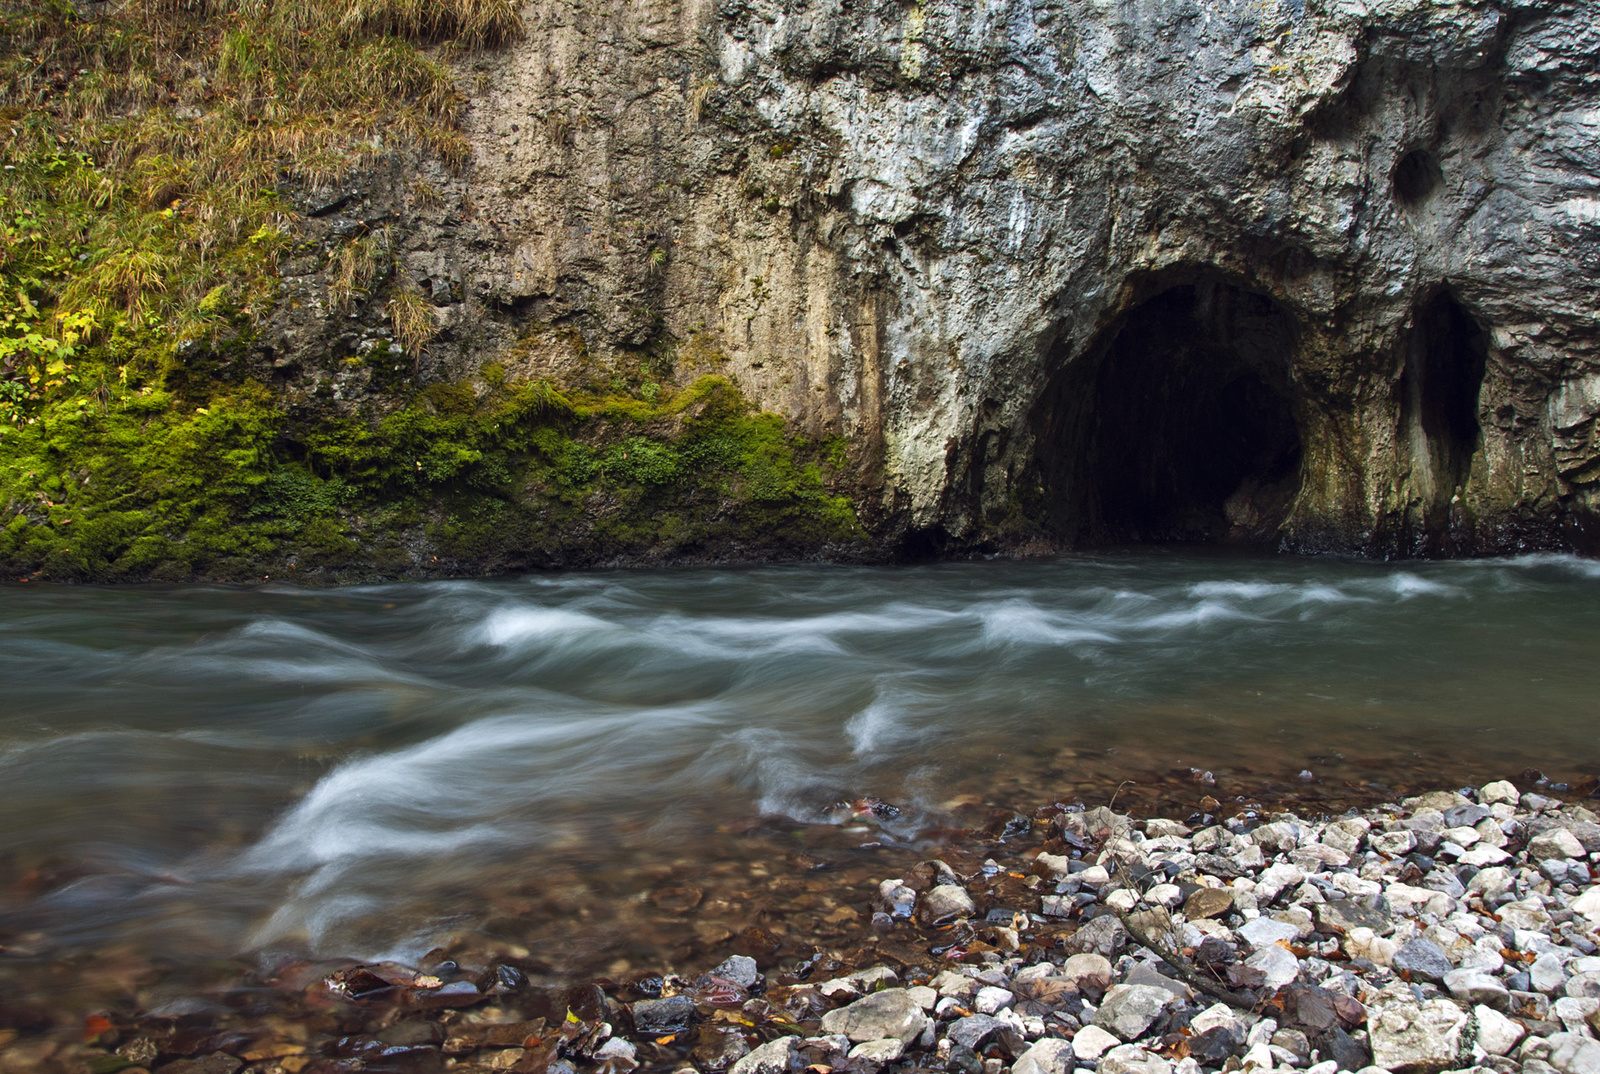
(890, 1014)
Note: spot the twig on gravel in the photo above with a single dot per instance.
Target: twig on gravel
(1183, 967)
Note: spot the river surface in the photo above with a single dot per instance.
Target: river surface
(566, 764)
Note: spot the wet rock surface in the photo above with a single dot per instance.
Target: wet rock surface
(1333, 945)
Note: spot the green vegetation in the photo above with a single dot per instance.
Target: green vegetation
(142, 221)
(133, 485)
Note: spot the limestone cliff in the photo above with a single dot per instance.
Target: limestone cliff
(1320, 273)
(1315, 274)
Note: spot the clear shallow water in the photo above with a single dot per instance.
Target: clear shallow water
(369, 772)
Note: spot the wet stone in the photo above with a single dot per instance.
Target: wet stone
(892, 1013)
(947, 901)
(658, 1017)
(770, 1058)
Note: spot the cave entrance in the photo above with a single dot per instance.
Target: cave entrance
(1179, 427)
(1446, 356)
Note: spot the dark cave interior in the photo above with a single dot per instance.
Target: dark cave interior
(1178, 425)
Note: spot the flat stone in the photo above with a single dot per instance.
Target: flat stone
(892, 1013)
(1266, 931)
(1588, 904)
(1499, 791)
(770, 1058)
(974, 1029)
(1547, 974)
(1143, 973)
(1132, 1059)
(1582, 984)
(1208, 902)
(1218, 1015)
(1087, 971)
(1483, 855)
(1130, 1010)
(1434, 800)
(1092, 1042)
(1102, 936)
(1048, 1056)
(1055, 864)
(1216, 1045)
(1276, 879)
(992, 999)
(1277, 964)
(1574, 1013)
(879, 1051)
(739, 969)
(1342, 915)
(1393, 844)
(1423, 960)
(1525, 914)
(1465, 816)
(1475, 986)
(617, 1048)
(1364, 943)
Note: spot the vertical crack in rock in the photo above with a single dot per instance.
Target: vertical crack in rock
(1446, 357)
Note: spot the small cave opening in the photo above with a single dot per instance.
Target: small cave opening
(1415, 176)
(1447, 354)
(1179, 426)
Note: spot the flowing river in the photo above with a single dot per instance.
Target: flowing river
(592, 767)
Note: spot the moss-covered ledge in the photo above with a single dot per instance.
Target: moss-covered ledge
(465, 478)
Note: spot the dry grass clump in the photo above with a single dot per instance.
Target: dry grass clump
(411, 315)
(151, 137)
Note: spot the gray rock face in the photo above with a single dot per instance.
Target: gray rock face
(954, 234)
(890, 1014)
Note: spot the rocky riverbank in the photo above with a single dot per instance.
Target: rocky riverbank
(1451, 931)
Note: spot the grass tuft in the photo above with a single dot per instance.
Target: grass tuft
(147, 142)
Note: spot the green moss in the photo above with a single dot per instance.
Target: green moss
(138, 484)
